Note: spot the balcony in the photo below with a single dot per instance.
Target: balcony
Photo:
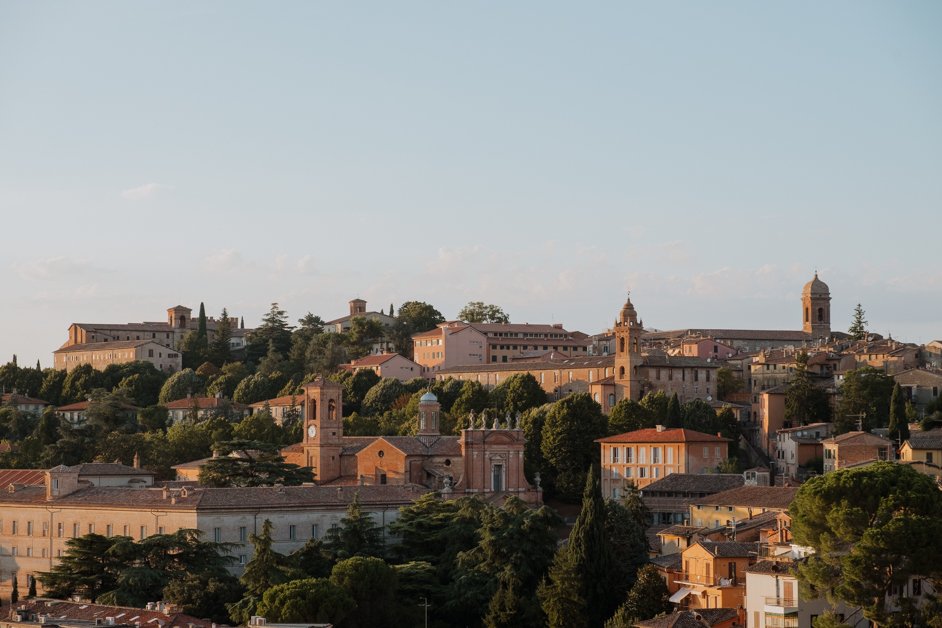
(781, 606)
(701, 580)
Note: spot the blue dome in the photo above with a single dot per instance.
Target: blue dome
(429, 397)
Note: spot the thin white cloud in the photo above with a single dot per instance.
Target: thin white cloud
(142, 192)
(52, 268)
(222, 260)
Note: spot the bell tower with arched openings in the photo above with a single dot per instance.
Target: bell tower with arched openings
(628, 332)
(323, 428)
(816, 309)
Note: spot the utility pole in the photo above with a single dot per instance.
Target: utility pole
(425, 606)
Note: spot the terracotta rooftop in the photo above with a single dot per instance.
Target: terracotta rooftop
(725, 549)
(26, 477)
(62, 610)
(669, 435)
(109, 345)
(861, 437)
(699, 483)
(22, 400)
(931, 439)
(688, 619)
(287, 400)
(373, 360)
(202, 403)
(732, 334)
(752, 497)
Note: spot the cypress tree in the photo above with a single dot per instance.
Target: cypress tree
(15, 593)
(858, 327)
(675, 417)
(201, 330)
(899, 423)
(32, 586)
(579, 589)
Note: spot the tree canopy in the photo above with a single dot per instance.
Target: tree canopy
(479, 312)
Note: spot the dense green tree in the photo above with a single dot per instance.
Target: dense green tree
(579, 590)
(307, 600)
(629, 415)
(226, 383)
(87, 568)
(219, 351)
(357, 535)
(110, 412)
(51, 388)
(259, 426)
(479, 312)
(363, 334)
(899, 423)
(872, 528)
(142, 388)
(14, 591)
(29, 381)
(804, 401)
(201, 324)
(727, 383)
(413, 317)
(325, 353)
(657, 403)
(383, 395)
(267, 567)
(858, 326)
(193, 348)
(472, 398)
(313, 559)
(251, 463)
(568, 441)
(79, 383)
(698, 415)
(372, 585)
(153, 418)
(518, 393)
(255, 388)
(30, 586)
(179, 385)
(629, 546)
(674, 416)
(649, 597)
(273, 331)
(355, 387)
(435, 531)
(865, 397)
(204, 594)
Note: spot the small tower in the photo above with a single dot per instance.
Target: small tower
(429, 412)
(627, 352)
(816, 309)
(178, 316)
(323, 428)
(357, 307)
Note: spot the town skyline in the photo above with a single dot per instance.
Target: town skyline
(545, 161)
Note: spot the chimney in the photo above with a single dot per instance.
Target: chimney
(137, 460)
(659, 428)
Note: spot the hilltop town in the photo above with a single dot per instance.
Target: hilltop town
(386, 467)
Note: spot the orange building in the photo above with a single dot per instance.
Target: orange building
(714, 574)
(643, 456)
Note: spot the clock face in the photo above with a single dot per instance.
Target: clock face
(311, 431)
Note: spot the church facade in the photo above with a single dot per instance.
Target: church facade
(484, 460)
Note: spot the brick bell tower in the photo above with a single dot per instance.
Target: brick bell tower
(323, 428)
(627, 352)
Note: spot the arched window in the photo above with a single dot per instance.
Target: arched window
(313, 413)
(621, 344)
(332, 410)
(183, 321)
(636, 349)
(611, 399)
(807, 315)
(621, 372)
(820, 314)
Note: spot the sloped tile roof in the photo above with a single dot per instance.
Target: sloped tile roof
(671, 435)
(752, 497)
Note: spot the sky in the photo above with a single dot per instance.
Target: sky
(546, 157)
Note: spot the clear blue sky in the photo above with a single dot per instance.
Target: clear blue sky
(541, 156)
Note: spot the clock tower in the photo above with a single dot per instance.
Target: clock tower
(628, 330)
(323, 428)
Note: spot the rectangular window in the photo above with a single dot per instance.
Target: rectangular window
(716, 451)
(655, 455)
(242, 534)
(657, 472)
(642, 472)
(109, 529)
(126, 531)
(314, 531)
(243, 559)
(14, 528)
(292, 533)
(76, 531)
(91, 528)
(627, 472)
(60, 529)
(642, 455)
(614, 455)
(629, 455)
(143, 533)
(160, 529)
(217, 535)
(29, 528)
(706, 452)
(670, 455)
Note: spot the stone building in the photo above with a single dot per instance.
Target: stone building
(36, 521)
(105, 353)
(386, 365)
(855, 448)
(484, 459)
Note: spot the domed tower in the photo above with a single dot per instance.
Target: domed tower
(323, 428)
(628, 352)
(816, 309)
(429, 411)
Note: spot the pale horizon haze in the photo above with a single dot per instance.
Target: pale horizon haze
(542, 156)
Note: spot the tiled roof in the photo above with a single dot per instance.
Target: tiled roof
(671, 435)
(706, 483)
(62, 610)
(681, 530)
(863, 438)
(667, 561)
(26, 477)
(78, 406)
(202, 403)
(109, 345)
(688, 619)
(287, 400)
(731, 334)
(22, 400)
(414, 446)
(373, 360)
(729, 549)
(524, 328)
(107, 468)
(926, 440)
(554, 361)
(678, 361)
(752, 497)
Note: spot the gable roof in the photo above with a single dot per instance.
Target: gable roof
(671, 435)
(22, 400)
(706, 483)
(202, 403)
(752, 497)
(688, 619)
(728, 549)
(860, 438)
(110, 345)
(26, 477)
(84, 611)
(931, 439)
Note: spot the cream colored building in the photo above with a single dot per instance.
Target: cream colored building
(23, 403)
(387, 365)
(37, 521)
(203, 407)
(102, 354)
